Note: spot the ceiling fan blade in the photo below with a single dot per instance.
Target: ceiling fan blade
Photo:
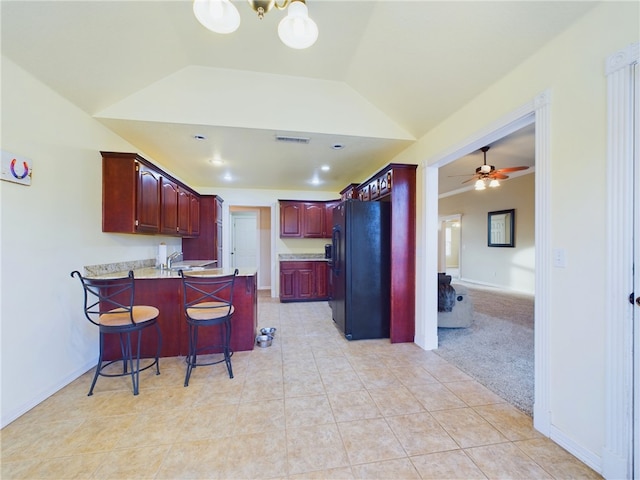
(475, 177)
(511, 169)
(499, 176)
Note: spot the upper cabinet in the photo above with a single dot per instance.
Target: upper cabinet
(291, 219)
(208, 244)
(168, 207)
(300, 219)
(138, 197)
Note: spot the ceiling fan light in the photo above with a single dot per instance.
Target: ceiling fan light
(480, 184)
(219, 16)
(297, 30)
(494, 183)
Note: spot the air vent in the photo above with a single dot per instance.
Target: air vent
(287, 139)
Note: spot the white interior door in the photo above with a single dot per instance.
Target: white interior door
(244, 233)
(636, 277)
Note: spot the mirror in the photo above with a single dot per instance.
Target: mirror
(501, 232)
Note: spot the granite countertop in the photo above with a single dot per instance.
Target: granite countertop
(292, 257)
(150, 273)
(144, 269)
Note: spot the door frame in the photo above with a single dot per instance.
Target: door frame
(535, 111)
(620, 452)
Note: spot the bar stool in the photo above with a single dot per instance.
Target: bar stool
(208, 301)
(109, 304)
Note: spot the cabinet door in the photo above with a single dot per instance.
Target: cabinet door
(287, 283)
(313, 220)
(194, 216)
(184, 205)
(148, 200)
(291, 219)
(168, 207)
(328, 217)
(305, 283)
(322, 280)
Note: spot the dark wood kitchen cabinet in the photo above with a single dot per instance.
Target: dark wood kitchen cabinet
(207, 245)
(291, 219)
(130, 195)
(138, 197)
(168, 207)
(396, 183)
(302, 280)
(306, 219)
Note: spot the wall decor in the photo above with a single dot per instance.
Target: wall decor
(16, 169)
(501, 228)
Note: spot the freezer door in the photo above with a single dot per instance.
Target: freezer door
(338, 278)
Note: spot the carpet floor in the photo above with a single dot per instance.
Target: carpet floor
(498, 348)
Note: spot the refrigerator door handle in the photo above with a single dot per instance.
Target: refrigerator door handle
(336, 254)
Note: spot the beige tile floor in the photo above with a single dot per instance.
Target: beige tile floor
(310, 406)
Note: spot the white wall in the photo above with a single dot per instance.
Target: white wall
(571, 68)
(512, 268)
(49, 229)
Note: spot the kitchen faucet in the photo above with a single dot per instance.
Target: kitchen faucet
(173, 257)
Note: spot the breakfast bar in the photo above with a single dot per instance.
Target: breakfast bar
(162, 288)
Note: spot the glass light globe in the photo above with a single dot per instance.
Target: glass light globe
(480, 185)
(297, 30)
(494, 183)
(219, 16)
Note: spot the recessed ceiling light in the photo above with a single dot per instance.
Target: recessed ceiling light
(337, 146)
(227, 177)
(199, 137)
(216, 160)
(325, 168)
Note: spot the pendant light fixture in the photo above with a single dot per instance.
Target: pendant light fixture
(296, 30)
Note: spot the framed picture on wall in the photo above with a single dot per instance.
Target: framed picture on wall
(501, 228)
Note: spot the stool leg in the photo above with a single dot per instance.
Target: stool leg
(134, 370)
(159, 349)
(191, 354)
(227, 347)
(98, 367)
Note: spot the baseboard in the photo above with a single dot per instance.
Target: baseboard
(16, 413)
(585, 456)
(492, 285)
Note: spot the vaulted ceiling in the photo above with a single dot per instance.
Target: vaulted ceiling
(381, 75)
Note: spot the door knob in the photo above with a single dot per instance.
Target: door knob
(638, 301)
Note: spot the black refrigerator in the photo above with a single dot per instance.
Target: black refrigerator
(360, 269)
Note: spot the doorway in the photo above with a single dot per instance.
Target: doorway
(536, 111)
(250, 241)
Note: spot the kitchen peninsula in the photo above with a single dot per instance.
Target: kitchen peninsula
(163, 289)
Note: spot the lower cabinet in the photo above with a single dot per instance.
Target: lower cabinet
(303, 281)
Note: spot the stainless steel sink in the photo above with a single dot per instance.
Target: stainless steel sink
(193, 264)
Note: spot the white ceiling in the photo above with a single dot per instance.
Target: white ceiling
(381, 75)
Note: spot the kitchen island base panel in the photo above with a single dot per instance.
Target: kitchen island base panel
(166, 295)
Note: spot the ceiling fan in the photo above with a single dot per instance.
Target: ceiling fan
(488, 172)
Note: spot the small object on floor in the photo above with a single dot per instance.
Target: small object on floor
(264, 341)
